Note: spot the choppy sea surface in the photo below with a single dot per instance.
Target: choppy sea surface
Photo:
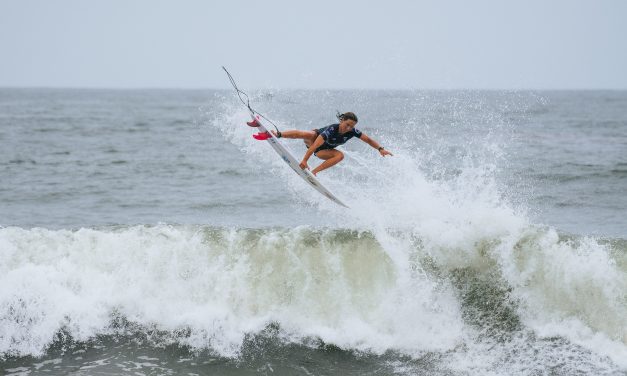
(147, 232)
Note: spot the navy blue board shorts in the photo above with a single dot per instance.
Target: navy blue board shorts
(333, 138)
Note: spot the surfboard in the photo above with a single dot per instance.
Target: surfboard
(294, 164)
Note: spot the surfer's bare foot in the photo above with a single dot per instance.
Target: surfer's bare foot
(276, 134)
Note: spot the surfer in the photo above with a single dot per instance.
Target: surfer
(323, 141)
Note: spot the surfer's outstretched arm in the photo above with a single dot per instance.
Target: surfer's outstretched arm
(364, 137)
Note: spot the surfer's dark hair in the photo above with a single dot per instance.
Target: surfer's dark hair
(347, 116)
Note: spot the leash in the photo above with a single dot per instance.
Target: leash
(247, 101)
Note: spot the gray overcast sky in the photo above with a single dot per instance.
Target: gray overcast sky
(538, 44)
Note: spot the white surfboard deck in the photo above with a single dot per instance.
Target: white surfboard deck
(285, 154)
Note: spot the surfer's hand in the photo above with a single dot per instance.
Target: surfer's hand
(384, 152)
(303, 164)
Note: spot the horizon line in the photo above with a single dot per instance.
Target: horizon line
(156, 88)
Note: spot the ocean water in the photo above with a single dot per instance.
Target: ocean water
(147, 232)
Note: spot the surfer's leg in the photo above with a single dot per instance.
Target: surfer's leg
(331, 157)
(297, 134)
(308, 136)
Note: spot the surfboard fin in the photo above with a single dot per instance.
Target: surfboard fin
(253, 123)
(262, 136)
